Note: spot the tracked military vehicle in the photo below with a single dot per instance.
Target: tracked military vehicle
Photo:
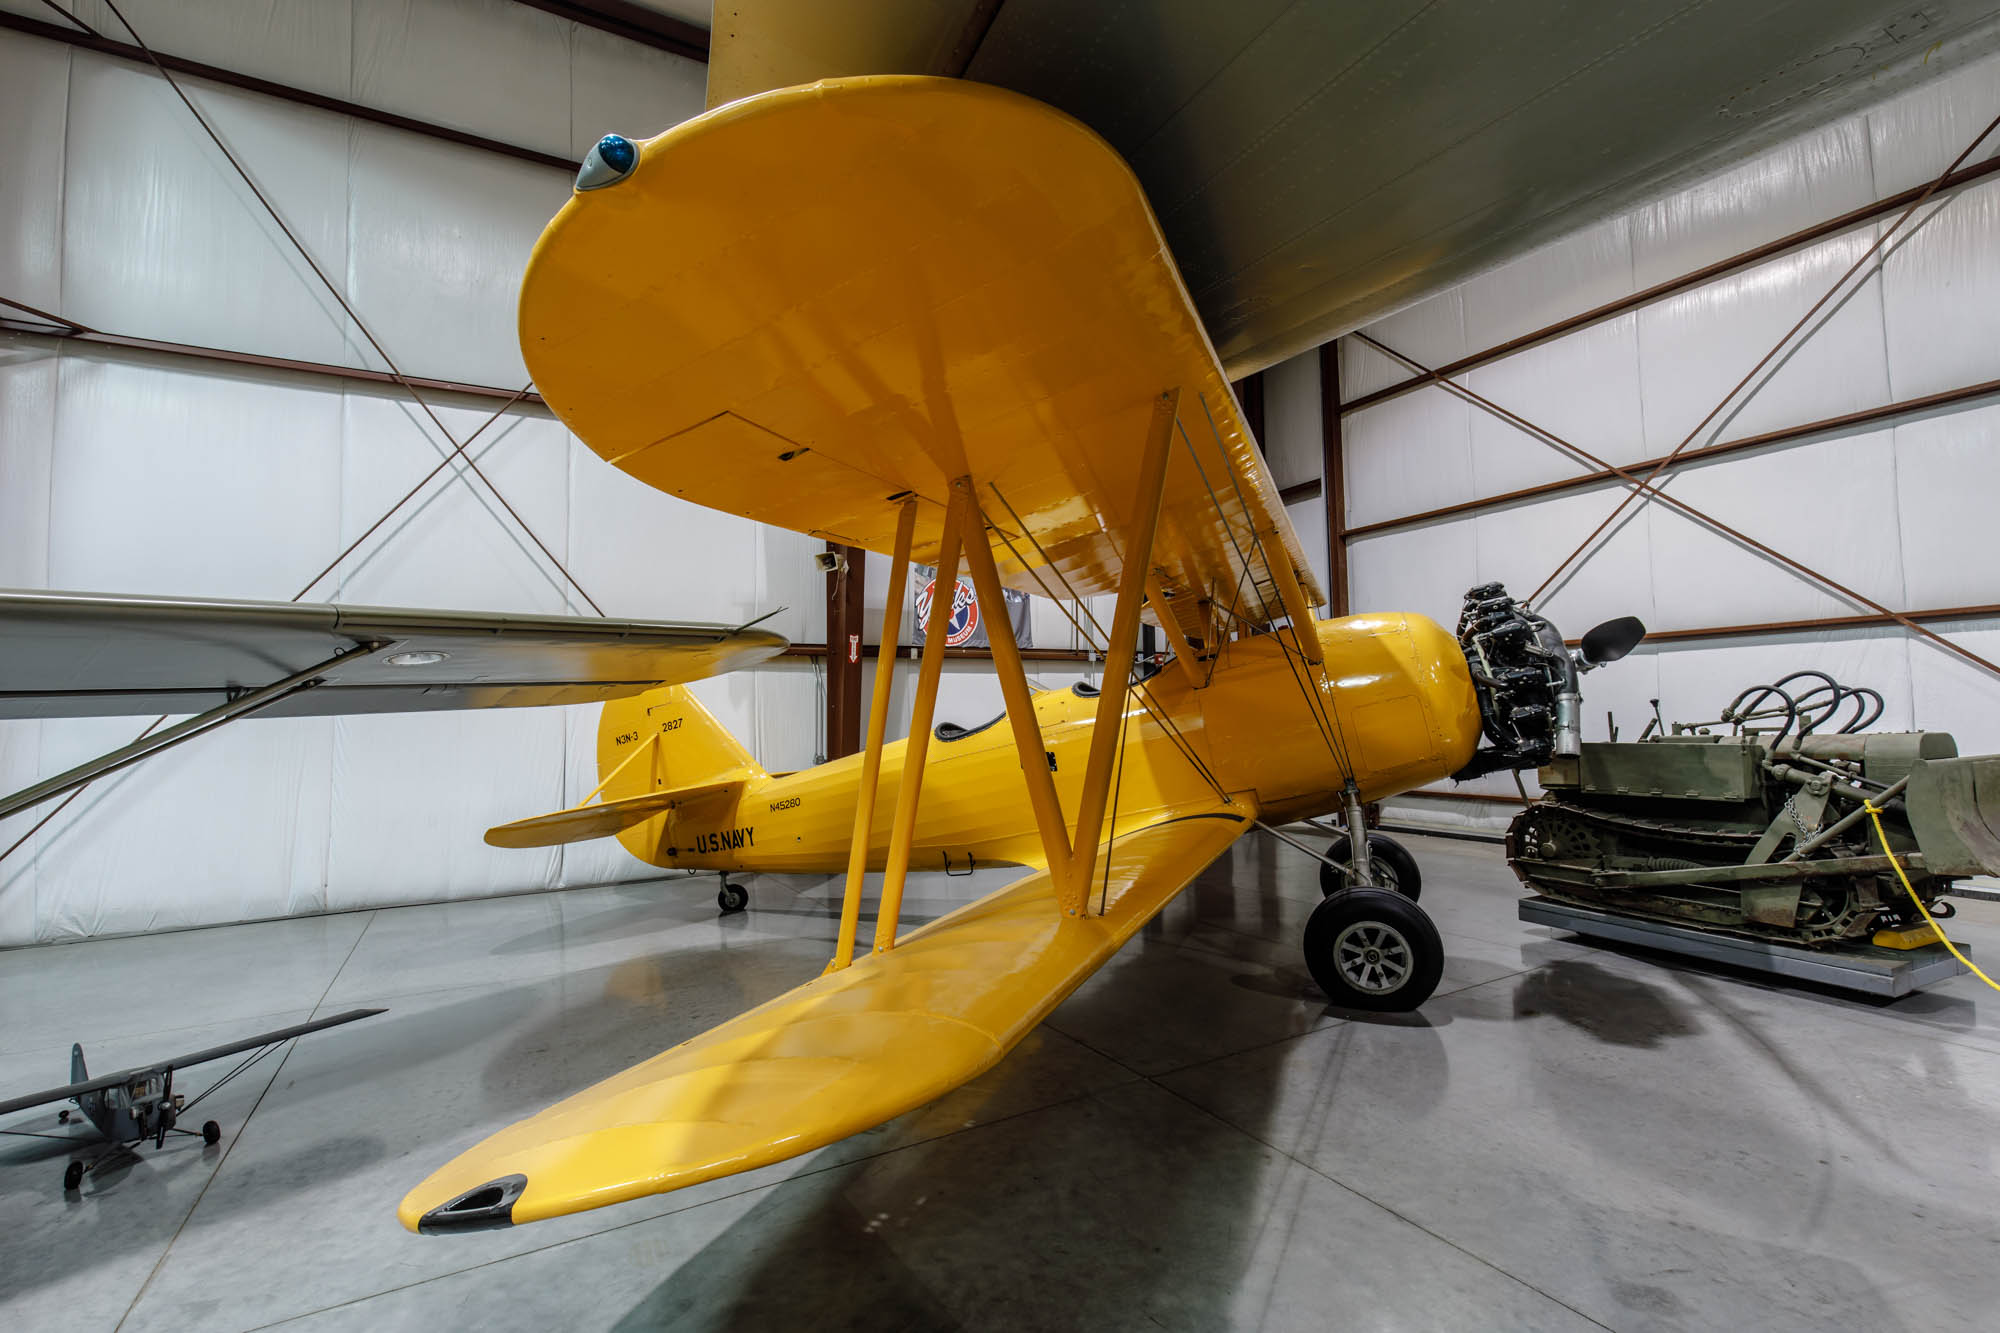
(1755, 823)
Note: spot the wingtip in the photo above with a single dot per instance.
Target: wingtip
(484, 1208)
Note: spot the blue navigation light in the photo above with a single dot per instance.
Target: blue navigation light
(611, 161)
(617, 152)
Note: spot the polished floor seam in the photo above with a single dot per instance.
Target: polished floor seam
(720, 1198)
(237, 1138)
(1340, 1023)
(1477, 1258)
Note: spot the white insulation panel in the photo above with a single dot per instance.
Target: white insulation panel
(132, 472)
(1896, 512)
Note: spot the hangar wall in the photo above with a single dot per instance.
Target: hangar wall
(1899, 510)
(132, 472)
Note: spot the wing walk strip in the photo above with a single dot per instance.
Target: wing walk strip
(840, 1054)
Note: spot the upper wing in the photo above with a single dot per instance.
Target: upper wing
(81, 655)
(837, 1055)
(806, 306)
(102, 1081)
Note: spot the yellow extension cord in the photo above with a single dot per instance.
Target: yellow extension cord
(1875, 814)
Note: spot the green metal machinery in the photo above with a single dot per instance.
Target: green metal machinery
(1756, 824)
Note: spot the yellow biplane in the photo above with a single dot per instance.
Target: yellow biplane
(937, 320)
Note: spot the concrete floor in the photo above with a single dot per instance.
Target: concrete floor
(1566, 1137)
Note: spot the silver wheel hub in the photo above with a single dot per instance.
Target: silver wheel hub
(1373, 957)
(1380, 874)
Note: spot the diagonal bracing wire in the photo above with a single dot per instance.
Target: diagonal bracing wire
(1644, 486)
(1140, 689)
(389, 513)
(341, 299)
(1765, 360)
(1328, 729)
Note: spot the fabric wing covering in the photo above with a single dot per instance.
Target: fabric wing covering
(838, 1055)
(807, 305)
(85, 655)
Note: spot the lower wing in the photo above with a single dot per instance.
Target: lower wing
(840, 1054)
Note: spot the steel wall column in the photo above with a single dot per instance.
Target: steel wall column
(844, 588)
(1333, 473)
(1249, 393)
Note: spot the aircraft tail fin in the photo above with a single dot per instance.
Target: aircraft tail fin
(77, 1073)
(663, 740)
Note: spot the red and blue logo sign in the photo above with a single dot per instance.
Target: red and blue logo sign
(964, 620)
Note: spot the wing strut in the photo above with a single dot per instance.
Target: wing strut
(1020, 700)
(126, 756)
(1170, 625)
(1070, 863)
(903, 832)
(1104, 735)
(878, 722)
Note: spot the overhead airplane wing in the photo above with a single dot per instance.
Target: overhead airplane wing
(1317, 166)
(846, 1051)
(123, 1076)
(85, 655)
(805, 307)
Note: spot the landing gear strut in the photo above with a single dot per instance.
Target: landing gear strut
(1390, 866)
(1368, 945)
(732, 898)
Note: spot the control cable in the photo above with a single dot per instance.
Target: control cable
(1875, 814)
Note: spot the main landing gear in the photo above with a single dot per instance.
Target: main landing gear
(732, 898)
(1368, 945)
(73, 1174)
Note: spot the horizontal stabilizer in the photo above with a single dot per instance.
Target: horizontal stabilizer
(585, 822)
(844, 1052)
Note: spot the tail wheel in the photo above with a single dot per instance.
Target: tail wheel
(1390, 865)
(1373, 949)
(732, 898)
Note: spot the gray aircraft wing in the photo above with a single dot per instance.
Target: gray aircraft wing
(85, 655)
(123, 1076)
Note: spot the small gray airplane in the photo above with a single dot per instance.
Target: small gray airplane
(137, 1104)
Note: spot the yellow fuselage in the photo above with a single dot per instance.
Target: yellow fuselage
(1395, 691)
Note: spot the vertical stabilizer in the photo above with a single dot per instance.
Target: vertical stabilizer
(664, 739)
(77, 1073)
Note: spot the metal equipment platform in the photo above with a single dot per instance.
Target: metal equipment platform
(1857, 967)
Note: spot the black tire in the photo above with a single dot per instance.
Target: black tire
(211, 1133)
(732, 898)
(72, 1177)
(1389, 861)
(1373, 949)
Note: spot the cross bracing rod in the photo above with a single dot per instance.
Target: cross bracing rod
(127, 755)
